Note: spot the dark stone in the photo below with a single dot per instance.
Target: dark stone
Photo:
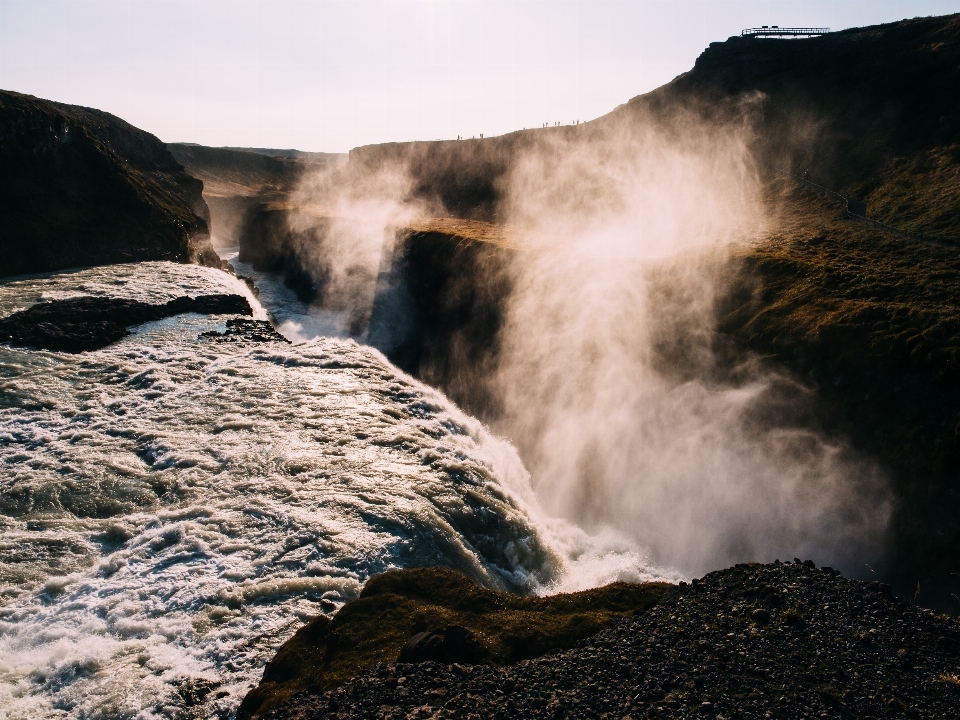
(194, 691)
(422, 647)
(456, 645)
(243, 330)
(760, 616)
(89, 323)
(460, 646)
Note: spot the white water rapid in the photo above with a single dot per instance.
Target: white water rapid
(172, 508)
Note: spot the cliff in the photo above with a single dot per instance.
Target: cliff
(438, 301)
(870, 112)
(81, 187)
(440, 305)
(235, 180)
(867, 318)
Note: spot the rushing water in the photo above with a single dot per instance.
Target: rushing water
(172, 508)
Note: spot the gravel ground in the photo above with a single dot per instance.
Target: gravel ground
(754, 641)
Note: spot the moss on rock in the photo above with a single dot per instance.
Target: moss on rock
(399, 604)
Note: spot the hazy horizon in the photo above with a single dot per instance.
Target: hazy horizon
(329, 76)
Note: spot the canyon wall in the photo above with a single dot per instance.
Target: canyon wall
(81, 187)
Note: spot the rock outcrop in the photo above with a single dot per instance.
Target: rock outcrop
(241, 330)
(440, 305)
(785, 640)
(437, 615)
(88, 323)
(81, 187)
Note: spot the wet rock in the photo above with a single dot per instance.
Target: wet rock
(242, 330)
(88, 323)
(193, 691)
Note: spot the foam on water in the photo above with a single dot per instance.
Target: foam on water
(172, 508)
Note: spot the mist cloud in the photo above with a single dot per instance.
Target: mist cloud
(610, 378)
(633, 418)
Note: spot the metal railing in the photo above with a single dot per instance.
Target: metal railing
(777, 31)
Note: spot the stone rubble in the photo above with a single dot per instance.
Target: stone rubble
(784, 640)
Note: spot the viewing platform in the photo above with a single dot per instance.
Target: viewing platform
(777, 31)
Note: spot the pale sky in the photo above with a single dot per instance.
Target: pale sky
(327, 75)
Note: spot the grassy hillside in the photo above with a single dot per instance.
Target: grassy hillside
(873, 321)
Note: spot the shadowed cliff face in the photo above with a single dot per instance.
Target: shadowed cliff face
(236, 180)
(440, 307)
(82, 187)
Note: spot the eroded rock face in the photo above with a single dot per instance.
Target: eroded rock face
(81, 187)
(439, 310)
(89, 323)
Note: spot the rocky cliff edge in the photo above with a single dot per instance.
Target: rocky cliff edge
(81, 187)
